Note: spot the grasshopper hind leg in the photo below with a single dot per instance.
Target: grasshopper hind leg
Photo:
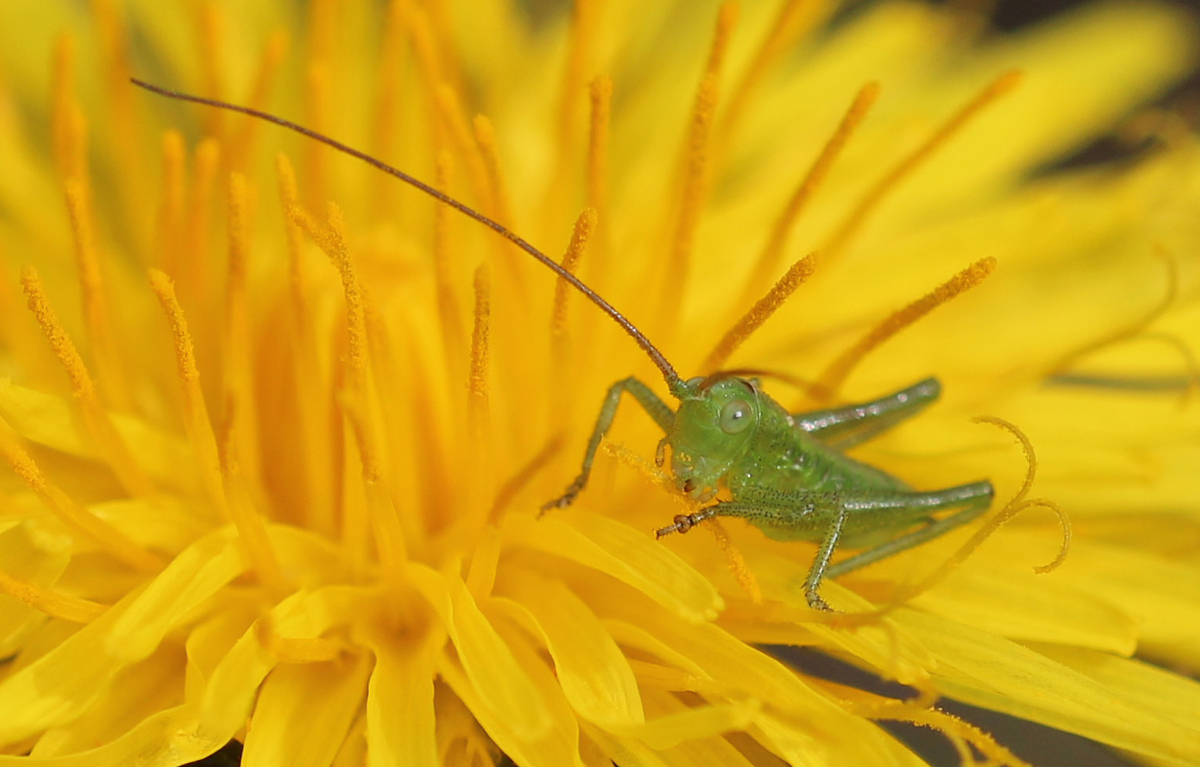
(975, 499)
(844, 427)
(828, 517)
(650, 402)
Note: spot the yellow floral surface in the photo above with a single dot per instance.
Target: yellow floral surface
(277, 428)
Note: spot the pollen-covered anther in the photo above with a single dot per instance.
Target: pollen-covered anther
(78, 520)
(761, 311)
(817, 172)
(891, 180)
(837, 371)
(95, 416)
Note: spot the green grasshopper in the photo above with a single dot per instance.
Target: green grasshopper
(786, 473)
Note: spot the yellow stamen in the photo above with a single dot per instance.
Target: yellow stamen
(793, 21)
(60, 342)
(385, 521)
(453, 333)
(577, 67)
(960, 734)
(331, 238)
(74, 517)
(251, 527)
(696, 159)
(1190, 380)
(395, 415)
(1015, 506)
(831, 380)
(111, 446)
(1064, 522)
(238, 243)
(317, 504)
(596, 178)
(874, 196)
(317, 113)
(95, 306)
(477, 382)
(425, 50)
(562, 388)
(236, 348)
(443, 34)
(171, 215)
(872, 706)
(479, 448)
(453, 126)
(209, 23)
(649, 471)
(195, 246)
(68, 126)
(125, 129)
(17, 341)
(112, 35)
(51, 602)
(297, 277)
(483, 179)
(817, 173)
(760, 312)
(584, 226)
(600, 98)
(195, 413)
(322, 24)
(1026, 448)
(1138, 329)
(1016, 502)
(241, 146)
(387, 102)
(579, 58)
(735, 560)
(485, 139)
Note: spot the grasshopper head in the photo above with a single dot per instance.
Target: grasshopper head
(715, 422)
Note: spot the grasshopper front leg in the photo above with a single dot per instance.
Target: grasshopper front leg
(827, 517)
(650, 402)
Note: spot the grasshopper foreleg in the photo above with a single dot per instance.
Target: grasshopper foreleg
(650, 402)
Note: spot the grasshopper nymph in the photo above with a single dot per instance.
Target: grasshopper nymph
(786, 473)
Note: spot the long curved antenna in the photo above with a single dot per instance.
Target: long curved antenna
(674, 382)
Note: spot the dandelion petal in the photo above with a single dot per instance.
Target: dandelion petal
(400, 712)
(594, 673)
(304, 712)
(628, 555)
(985, 670)
(488, 662)
(57, 687)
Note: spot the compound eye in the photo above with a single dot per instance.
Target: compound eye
(735, 416)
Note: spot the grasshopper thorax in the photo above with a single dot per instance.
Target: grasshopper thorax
(717, 419)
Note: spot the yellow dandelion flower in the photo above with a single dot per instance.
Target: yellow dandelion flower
(279, 428)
